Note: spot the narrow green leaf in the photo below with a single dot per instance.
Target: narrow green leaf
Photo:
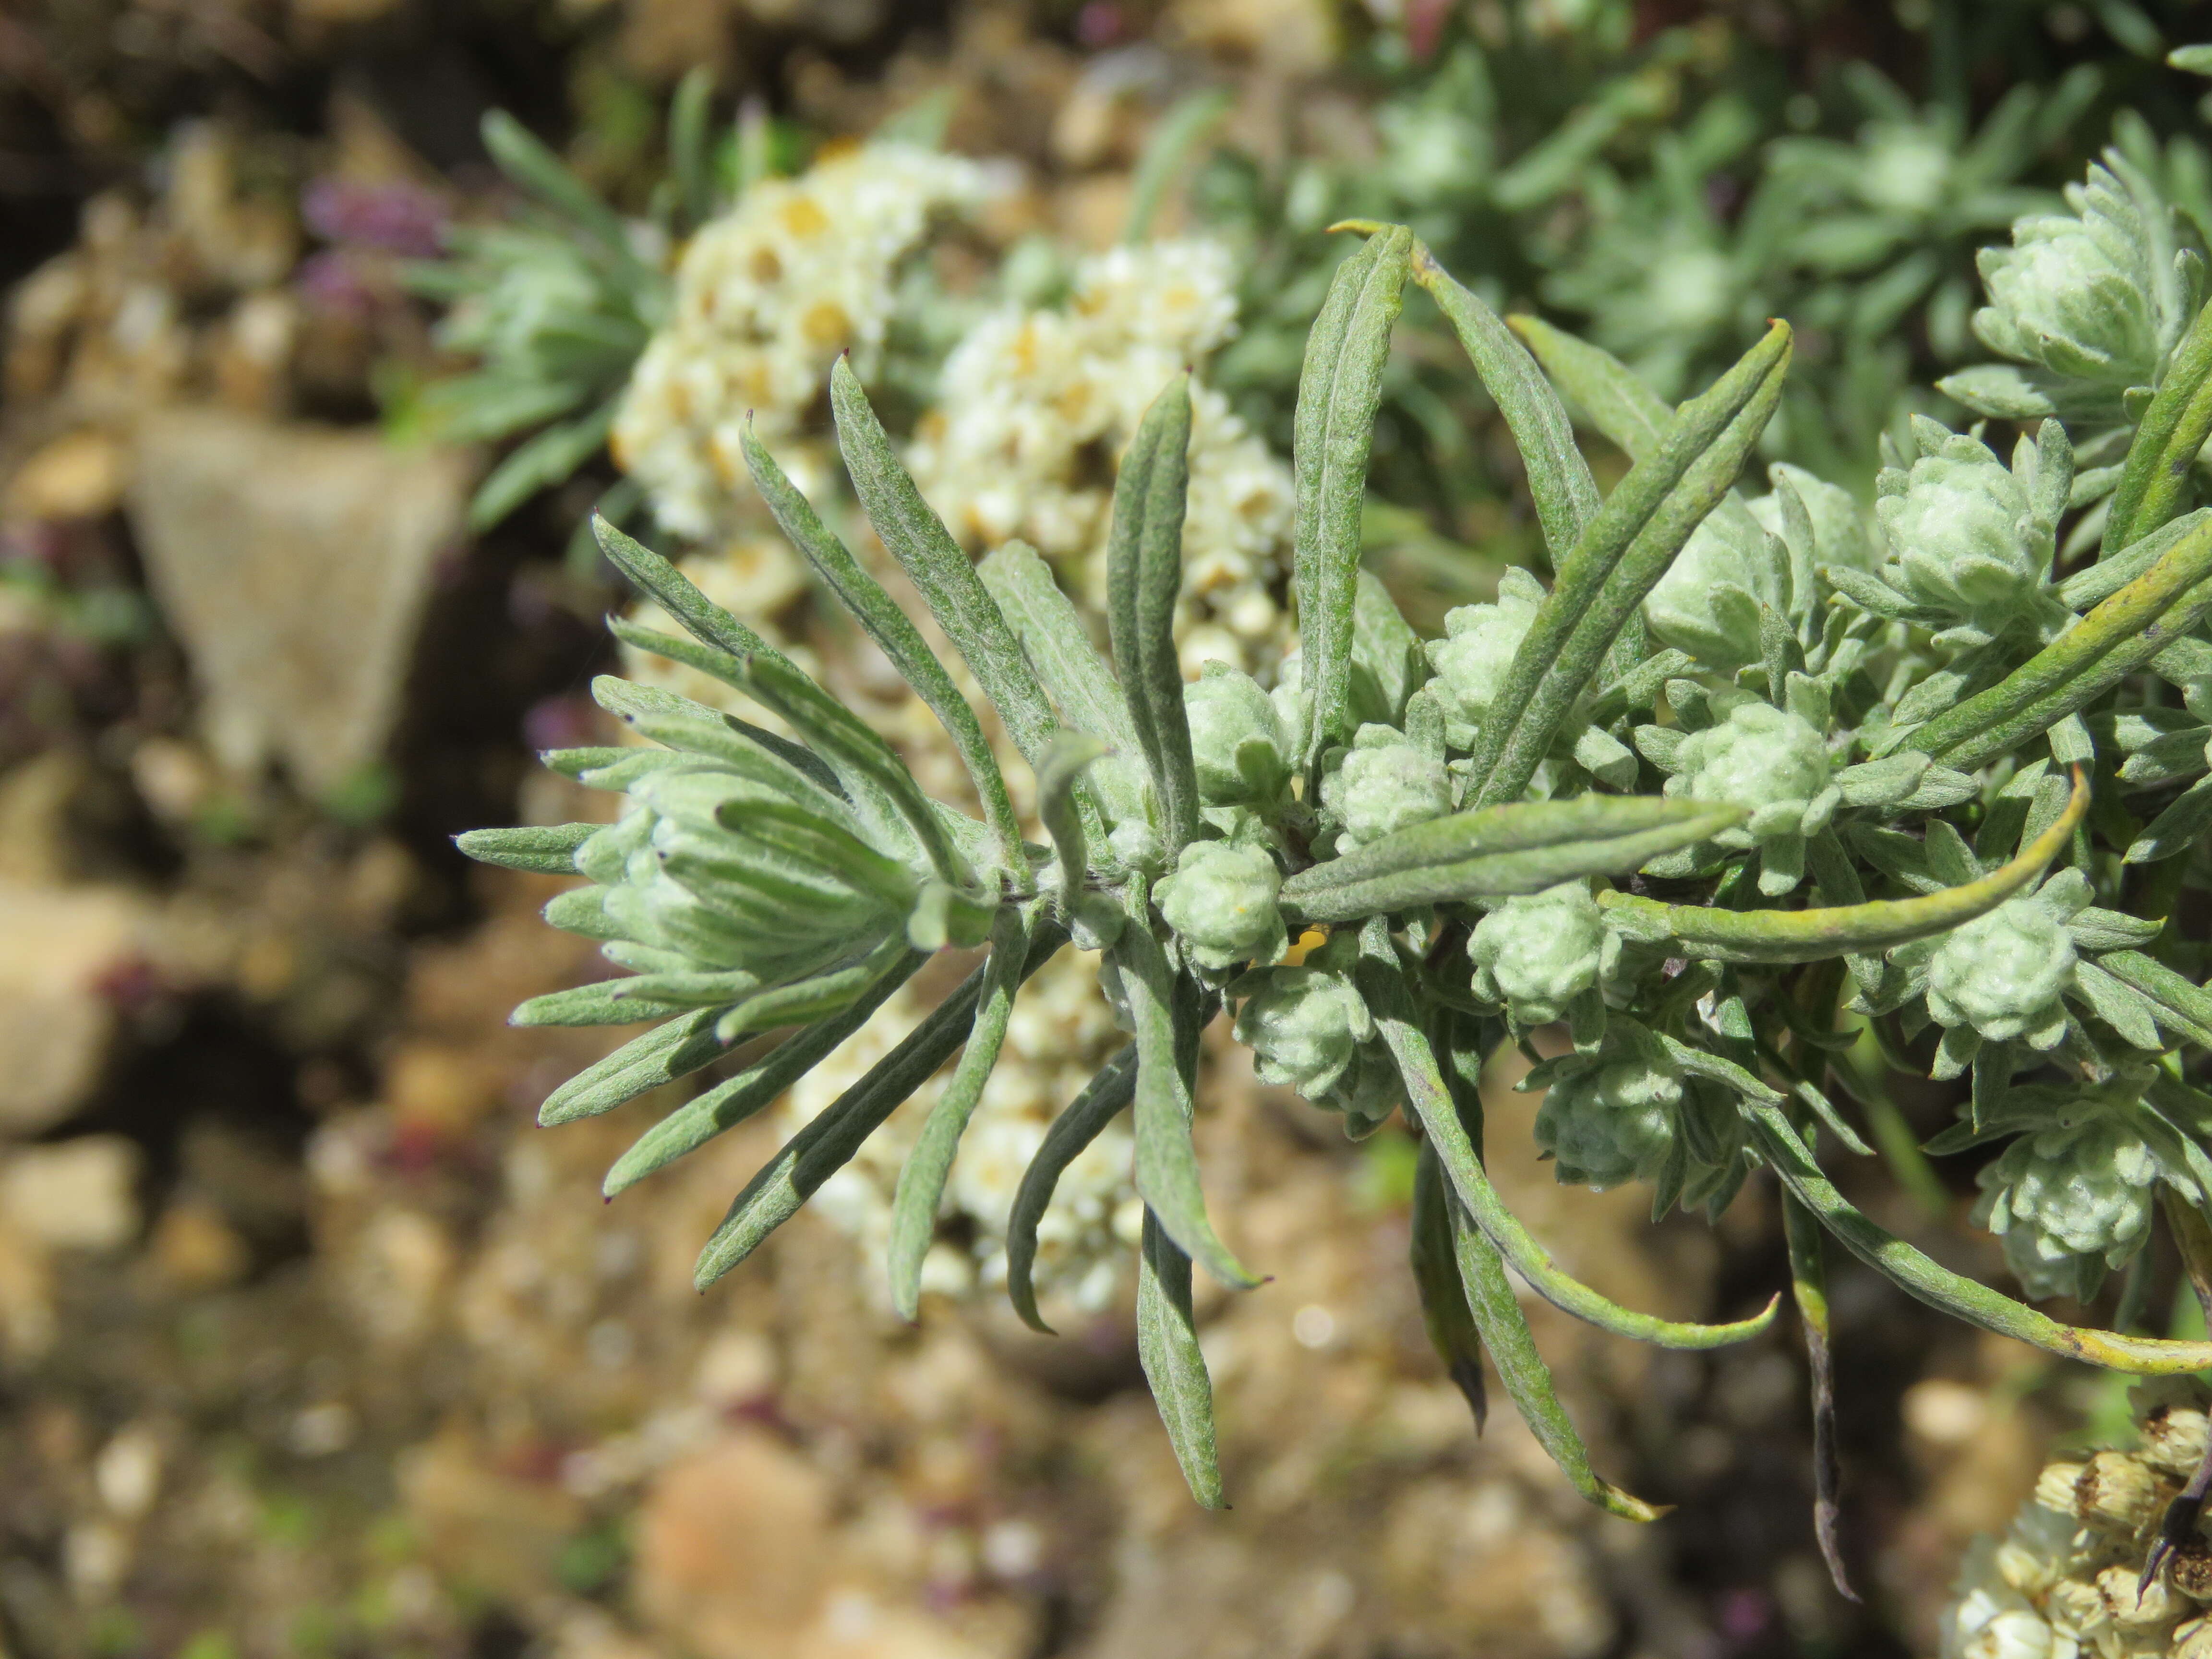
(1808, 1285)
(2183, 1008)
(1528, 1380)
(550, 851)
(1715, 934)
(891, 628)
(731, 1102)
(1174, 140)
(1058, 644)
(1619, 558)
(1453, 1138)
(1938, 1286)
(1560, 479)
(546, 459)
(2093, 584)
(1167, 1162)
(1167, 1346)
(824, 1146)
(922, 1178)
(2118, 637)
(1058, 776)
(2176, 829)
(1522, 848)
(1435, 1263)
(538, 171)
(810, 998)
(1144, 578)
(2172, 432)
(667, 586)
(593, 1004)
(943, 575)
(689, 159)
(667, 1052)
(718, 664)
(1085, 1118)
(1628, 412)
(1340, 390)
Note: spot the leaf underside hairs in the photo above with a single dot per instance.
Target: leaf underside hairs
(1758, 785)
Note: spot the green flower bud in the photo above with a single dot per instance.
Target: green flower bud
(1237, 742)
(1304, 1026)
(1613, 1121)
(1963, 533)
(1765, 758)
(1537, 954)
(1384, 782)
(1477, 650)
(2070, 1201)
(2003, 974)
(1707, 604)
(1220, 901)
(2073, 293)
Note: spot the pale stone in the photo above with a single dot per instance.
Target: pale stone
(294, 562)
(57, 945)
(74, 1194)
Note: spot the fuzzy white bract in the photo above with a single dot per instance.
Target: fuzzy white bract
(766, 297)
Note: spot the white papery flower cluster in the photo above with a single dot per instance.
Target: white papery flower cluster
(1036, 407)
(766, 297)
(2062, 1582)
(1061, 1031)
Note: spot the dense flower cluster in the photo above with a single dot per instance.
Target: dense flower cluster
(765, 298)
(1035, 405)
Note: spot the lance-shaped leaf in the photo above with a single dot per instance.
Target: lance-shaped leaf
(1619, 404)
(1144, 578)
(720, 665)
(1434, 1258)
(2183, 1008)
(2176, 829)
(1058, 774)
(667, 1052)
(2120, 637)
(1383, 984)
(2173, 429)
(922, 1178)
(538, 170)
(810, 998)
(1058, 644)
(1174, 139)
(729, 1103)
(943, 575)
(1560, 479)
(1715, 934)
(1167, 1162)
(1167, 1346)
(1808, 1285)
(824, 1146)
(1913, 1273)
(862, 760)
(1619, 558)
(547, 851)
(1528, 1380)
(1340, 390)
(1500, 851)
(893, 630)
(1103, 1098)
(593, 1004)
(668, 587)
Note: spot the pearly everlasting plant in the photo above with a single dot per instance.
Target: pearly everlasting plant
(1846, 802)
